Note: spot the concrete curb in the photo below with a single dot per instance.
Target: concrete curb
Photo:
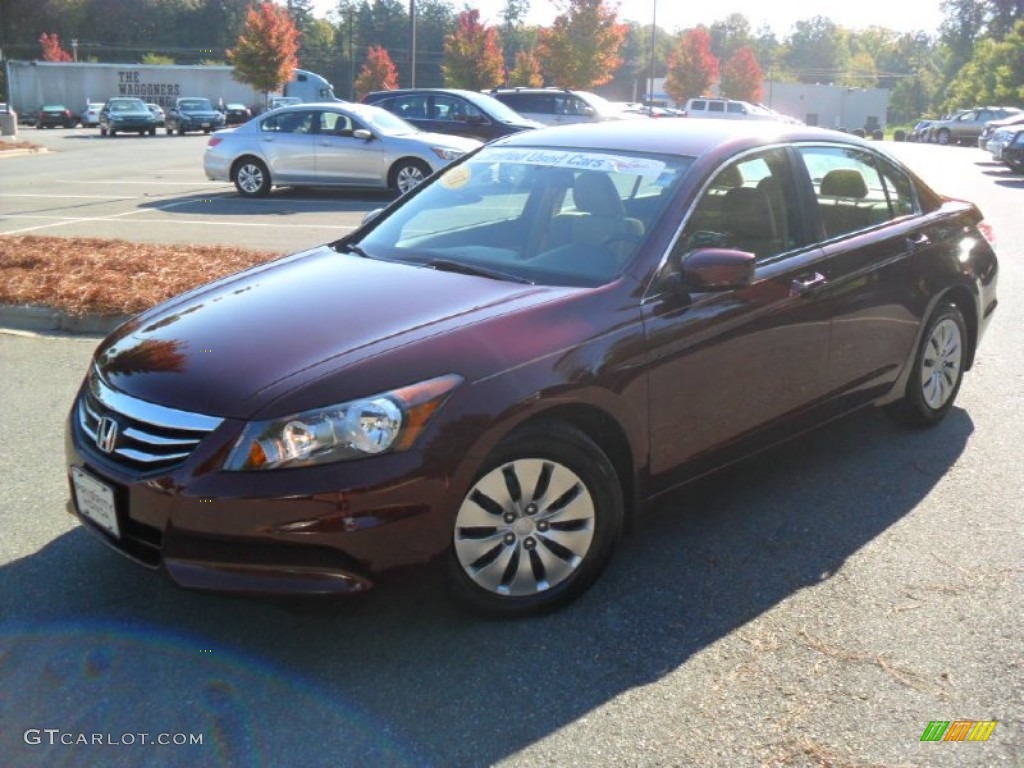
(31, 318)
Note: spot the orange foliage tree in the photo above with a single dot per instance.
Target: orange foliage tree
(265, 55)
(51, 48)
(526, 71)
(692, 68)
(378, 72)
(472, 58)
(581, 48)
(742, 77)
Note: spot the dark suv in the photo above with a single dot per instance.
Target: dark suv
(193, 114)
(448, 110)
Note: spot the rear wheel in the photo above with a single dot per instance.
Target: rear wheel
(537, 526)
(113, 133)
(152, 131)
(938, 370)
(407, 174)
(169, 130)
(181, 130)
(252, 179)
(943, 137)
(103, 131)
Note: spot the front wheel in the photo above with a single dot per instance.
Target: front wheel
(252, 179)
(537, 526)
(407, 174)
(938, 370)
(944, 137)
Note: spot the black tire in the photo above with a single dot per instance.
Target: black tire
(900, 136)
(943, 137)
(152, 131)
(251, 177)
(103, 131)
(537, 526)
(938, 370)
(407, 174)
(169, 130)
(181, 130)
(113, 133)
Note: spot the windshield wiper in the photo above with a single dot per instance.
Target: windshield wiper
(444, 265)
(354, 248)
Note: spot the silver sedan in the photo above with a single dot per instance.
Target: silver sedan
(328, 144)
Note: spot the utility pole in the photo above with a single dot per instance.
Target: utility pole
(654, 39)
(412, 43)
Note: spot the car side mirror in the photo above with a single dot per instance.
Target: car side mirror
(362, 133)
(717, 269)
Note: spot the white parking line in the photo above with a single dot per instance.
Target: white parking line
(147, 182)
(58, 221)
(75, 197)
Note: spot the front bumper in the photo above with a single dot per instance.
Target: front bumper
(318, 530)
(131, 125)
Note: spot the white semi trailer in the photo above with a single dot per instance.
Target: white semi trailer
(32, 84)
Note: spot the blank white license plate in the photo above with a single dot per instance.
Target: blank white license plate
(206, 125)
(95, 500)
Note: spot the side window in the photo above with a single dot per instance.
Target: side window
(410, 107)
(289, 122)
(335, 123)
(899, 190)
(453, 109)
(716, 106)
(699, 106)
(851, 193)
(736, 109)
(749, 206)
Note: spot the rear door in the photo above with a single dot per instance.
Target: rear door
(287, 144)
(341, 158)
(871, 228)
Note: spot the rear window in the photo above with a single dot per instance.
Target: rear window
(716, 106)
(699, 105)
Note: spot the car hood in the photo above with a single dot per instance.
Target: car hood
(246, 345)
(447, 140)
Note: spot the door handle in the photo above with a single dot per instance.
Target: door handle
(805, 283)
(919, 240)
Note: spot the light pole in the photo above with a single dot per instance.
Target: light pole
(412, 43)
(654, 39)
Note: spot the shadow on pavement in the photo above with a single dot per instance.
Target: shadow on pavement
(91, 643)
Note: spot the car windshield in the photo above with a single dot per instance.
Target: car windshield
(539, 215)
(195, 104)
(128, 105)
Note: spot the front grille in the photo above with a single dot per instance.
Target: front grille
(138, 434)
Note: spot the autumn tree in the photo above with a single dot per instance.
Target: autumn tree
(742, 77)
(526, 70)
(51, 48)
(472, 58)
(378, 73)
(581, 48)
(692, 68)
(265, 54)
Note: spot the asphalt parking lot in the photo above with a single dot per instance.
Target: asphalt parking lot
(817, 606)
(153, 189)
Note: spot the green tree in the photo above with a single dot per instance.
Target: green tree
(264, 56)
(581, 48)
(378, 73)
(472, 58)
(729, 35)
(692, 68)
(994, 74)
(818, 51)
(742, 78)
(156, 58)
(526, 70)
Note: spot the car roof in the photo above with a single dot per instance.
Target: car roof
(683, 137)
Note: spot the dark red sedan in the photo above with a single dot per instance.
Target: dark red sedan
(510, 361)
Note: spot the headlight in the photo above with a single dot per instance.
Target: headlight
(447, 154)
(390, 421)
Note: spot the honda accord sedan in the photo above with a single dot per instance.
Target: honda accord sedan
(511, 361)
(328, 145)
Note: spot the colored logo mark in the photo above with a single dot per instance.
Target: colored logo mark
(958, 730)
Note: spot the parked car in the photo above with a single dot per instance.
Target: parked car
(124, 113)
(193, 114)
(560, 106)
(511, 361)
(276, 102)
(328, 144)
(992, 126)
(919, 132)
(966, 126)
(727, 109)
(91, 114)
(236, 114)
(450, 110)
(158, 113)
(55, 116)
(1013, 153)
